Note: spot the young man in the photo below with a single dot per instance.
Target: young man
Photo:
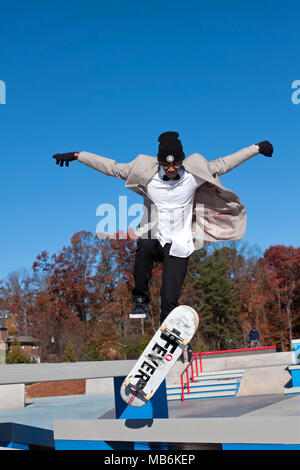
(184, 200)
(254, 337)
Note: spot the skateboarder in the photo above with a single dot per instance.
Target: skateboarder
(173, 188)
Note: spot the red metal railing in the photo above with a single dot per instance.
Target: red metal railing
(189, 372)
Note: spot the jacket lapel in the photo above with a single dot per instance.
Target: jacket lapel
(197, 165)
(142, 172)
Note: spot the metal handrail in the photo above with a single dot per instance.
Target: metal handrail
(205, 353)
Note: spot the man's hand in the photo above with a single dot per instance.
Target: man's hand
(265, 148)
(62, 158)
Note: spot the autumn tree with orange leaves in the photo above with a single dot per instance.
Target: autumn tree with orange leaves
(283, 266)
(81, 296)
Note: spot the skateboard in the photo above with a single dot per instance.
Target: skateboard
(159, 356)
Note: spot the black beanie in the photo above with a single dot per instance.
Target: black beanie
(170, 148)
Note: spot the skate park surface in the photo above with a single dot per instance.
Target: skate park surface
(260, 415)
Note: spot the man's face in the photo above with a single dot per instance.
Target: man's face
(171, 169)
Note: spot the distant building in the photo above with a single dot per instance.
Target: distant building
(28, 344)
(3, 344)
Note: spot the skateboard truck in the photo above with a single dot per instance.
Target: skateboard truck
(138, 388)
(174, 335)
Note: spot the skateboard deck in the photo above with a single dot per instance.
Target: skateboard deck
(159, 356)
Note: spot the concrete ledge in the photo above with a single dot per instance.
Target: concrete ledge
(98, 375)
(281, 430)
(292, 391)
(295, 367)
(12, 396)
(217, 362)
(30, 373)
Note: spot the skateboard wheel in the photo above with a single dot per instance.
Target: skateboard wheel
(163, 327)
(148, 396)
(127, 381)
(185, 342)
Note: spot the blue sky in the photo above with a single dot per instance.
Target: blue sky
(109, 77)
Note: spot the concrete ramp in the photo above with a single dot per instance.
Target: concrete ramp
(264, 380)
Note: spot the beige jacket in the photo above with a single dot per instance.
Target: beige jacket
(222, 214)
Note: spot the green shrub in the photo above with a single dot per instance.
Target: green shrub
(16, 354)
(69, 353)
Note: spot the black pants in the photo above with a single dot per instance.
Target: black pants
(174, 271)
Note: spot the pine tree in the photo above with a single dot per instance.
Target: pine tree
(69, 353)
(211, 292)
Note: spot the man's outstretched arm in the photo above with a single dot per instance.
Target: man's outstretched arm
(223, 165)
(104, 165)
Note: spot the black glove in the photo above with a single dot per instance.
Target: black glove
(265, 148)
(62, 158)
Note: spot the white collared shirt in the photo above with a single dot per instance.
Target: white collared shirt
(174, 201)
